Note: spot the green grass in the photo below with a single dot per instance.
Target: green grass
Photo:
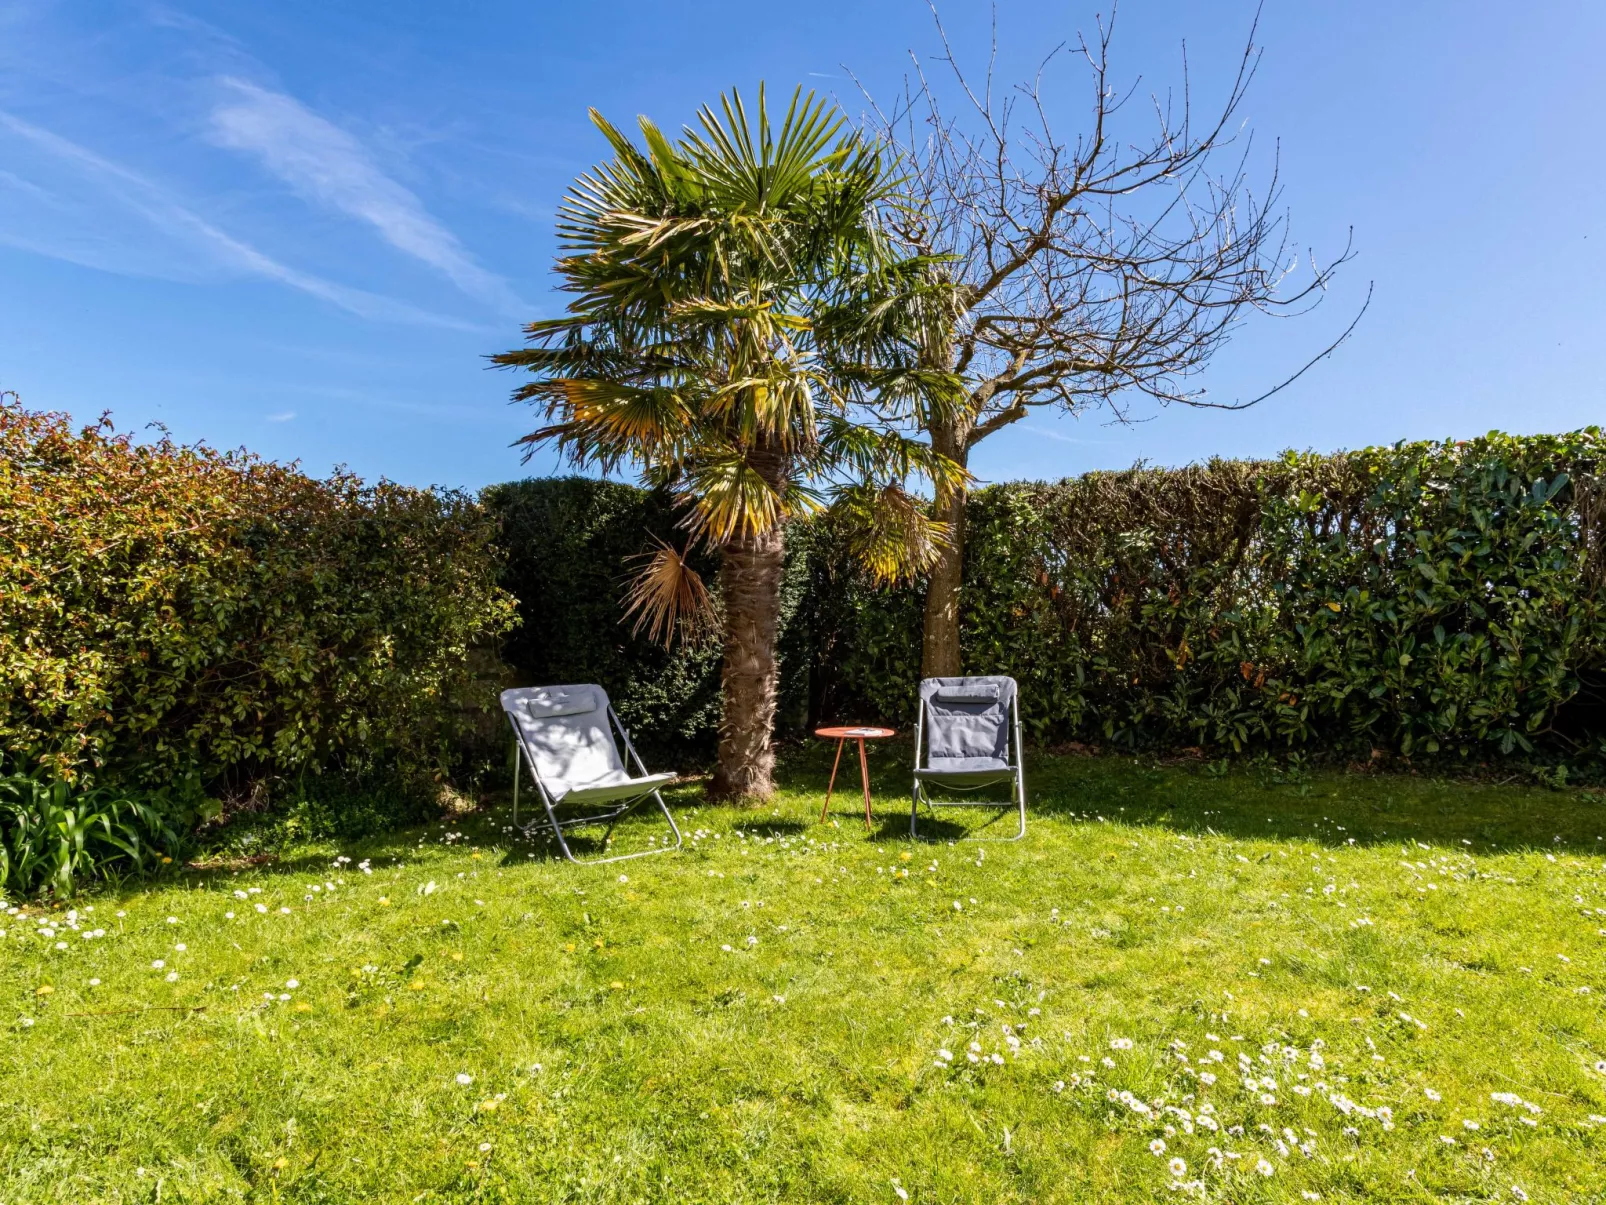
(619, 1051)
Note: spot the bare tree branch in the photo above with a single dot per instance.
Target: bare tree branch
(1088, 272)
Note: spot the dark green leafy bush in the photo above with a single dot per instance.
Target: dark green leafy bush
(1423, 599)
(569, 545)
(170, 611)
(329, 805)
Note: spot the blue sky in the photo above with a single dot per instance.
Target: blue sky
(300, 226)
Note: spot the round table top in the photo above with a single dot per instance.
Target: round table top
(848, 734)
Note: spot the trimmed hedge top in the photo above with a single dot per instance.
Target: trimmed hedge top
(178, 611)
(1427, 598)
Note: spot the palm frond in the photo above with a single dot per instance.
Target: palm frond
(668, 598)
(739, 325)
(889, 531)
(873, 454)
(728, 497)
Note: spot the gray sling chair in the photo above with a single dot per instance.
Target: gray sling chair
(963, 744)
(565, 735)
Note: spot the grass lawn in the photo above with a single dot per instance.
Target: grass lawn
(1369, 989)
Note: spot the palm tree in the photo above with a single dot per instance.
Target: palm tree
(741, 333)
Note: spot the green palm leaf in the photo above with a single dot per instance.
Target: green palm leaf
(740, 330)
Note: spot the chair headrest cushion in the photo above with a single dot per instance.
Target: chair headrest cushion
(984, 692)
(551, 702)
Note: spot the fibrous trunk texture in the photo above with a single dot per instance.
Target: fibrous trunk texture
(751, 580)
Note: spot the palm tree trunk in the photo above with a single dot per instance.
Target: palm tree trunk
(750, 577)
(940, 653)
(750, 580)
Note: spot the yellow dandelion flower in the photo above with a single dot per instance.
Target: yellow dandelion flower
(616, 986)
(488, 1105)
(417, 985)
(385, 900)
(457, 956)
(568, 947)
(44, 989)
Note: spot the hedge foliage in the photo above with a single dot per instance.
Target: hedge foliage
(176, 615)
(171, 613)
(569, 550)
(1421, 599)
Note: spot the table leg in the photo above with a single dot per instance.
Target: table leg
(864, 775)
(827, 805)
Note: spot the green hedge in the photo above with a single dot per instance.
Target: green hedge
(1422, 599)
(177, 614)
(568, 550)
(567, 547)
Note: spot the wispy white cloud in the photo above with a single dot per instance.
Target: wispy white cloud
(327, 166)
(1050, 433)
(283, 416)
(92, 194)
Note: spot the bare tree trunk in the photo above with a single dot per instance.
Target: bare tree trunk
(940, 653)
(750, 579)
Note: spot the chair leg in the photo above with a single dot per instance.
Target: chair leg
(914, 810)
(673, 827)
(613, 822)
(557, 830)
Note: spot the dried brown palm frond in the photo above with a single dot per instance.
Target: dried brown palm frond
(669, 599)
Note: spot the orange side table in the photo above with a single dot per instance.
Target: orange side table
(842, 736)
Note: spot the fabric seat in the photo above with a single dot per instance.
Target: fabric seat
(616, 784)
(566, 736)
(972, 776)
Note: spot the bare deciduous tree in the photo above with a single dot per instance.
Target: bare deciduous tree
(1085, 273)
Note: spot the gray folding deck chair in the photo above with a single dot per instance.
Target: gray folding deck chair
(963, 744)
(565, 735)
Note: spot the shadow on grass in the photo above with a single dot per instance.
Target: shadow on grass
(1326, 807)
(990, 824)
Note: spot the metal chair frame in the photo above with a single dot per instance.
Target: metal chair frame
(612, 815)
(1016, 770)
